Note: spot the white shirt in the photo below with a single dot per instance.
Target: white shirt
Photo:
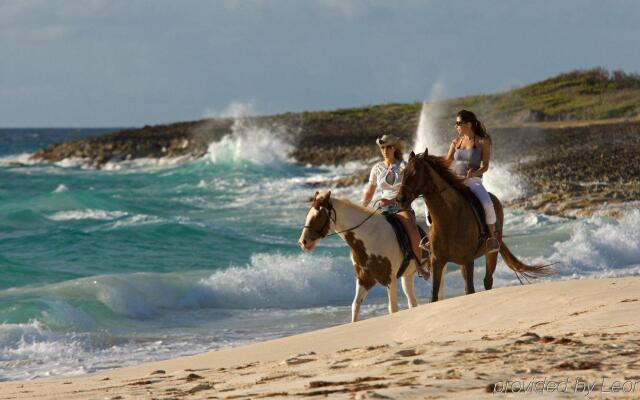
(388, 179)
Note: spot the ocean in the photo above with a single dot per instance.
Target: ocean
(152, 259)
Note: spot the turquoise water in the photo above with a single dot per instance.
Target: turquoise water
(152, 259)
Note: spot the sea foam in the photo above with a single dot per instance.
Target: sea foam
(87, 214)
(596, 248)
(17, 160)
(503, 183)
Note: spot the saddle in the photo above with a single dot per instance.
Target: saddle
(478, 211)
(403, 241)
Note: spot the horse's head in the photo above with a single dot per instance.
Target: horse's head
(426, 175)
(415, 179)
(318, 222)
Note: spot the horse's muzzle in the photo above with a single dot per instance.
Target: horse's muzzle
(305, 244)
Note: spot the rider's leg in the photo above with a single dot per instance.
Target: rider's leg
(409, 223)
(475, 184)
(493, 244)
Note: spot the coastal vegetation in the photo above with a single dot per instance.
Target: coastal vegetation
(574, 98)
(572, 138)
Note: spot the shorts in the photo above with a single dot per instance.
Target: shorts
(394, 209)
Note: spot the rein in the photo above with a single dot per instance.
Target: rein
(331, 216)
(357, 226)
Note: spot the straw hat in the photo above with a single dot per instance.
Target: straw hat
(391, 140)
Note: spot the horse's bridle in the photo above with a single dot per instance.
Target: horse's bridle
(330, 213)
(412, 191)
(331, 216)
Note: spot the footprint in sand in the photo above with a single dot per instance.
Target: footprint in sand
(297, 360)
(200, 388)
(193, 377)
(407, 353)
(158, 372)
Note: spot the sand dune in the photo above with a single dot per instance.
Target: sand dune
(554, 339)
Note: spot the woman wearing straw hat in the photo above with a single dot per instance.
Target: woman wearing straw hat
(387, 175)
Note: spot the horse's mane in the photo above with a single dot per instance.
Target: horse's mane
(442, 168)
(352, 204)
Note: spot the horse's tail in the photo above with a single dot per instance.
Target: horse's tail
(528, 271)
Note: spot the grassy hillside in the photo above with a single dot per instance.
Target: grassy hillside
(594, 94)
(346, 134)
(580, 95)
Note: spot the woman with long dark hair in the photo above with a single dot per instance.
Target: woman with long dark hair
(471, 155)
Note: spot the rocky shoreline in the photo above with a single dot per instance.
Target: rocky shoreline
(571, 169)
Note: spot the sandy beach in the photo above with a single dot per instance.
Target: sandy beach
(552, 339)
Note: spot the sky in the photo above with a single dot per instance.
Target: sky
(117, 63)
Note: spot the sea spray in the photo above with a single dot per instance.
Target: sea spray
(427, 135)
(249, 142)
(503, 183)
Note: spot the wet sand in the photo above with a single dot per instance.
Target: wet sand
(553, 339)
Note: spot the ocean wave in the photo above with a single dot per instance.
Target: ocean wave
(601, 246)
(61, 188)
(277, 280)
(146, 164)
(137, 220)
(74, 215)
(596, 248)
(524, 222)
(269, 280)
(33, 350)
(18, 160)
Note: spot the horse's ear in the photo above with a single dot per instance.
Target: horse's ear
(411, 155)
(426, 151)
(314, 200)
(328, 195)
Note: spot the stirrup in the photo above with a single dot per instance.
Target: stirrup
(492, 244)
(424, 244)
(423, 273)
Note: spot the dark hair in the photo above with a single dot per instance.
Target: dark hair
(476, 126)
(397, 154)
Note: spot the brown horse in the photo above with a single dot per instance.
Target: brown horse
(455, 235)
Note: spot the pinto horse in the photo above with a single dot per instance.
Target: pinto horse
(454, 234)
(375, 253)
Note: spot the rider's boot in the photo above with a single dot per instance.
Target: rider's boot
(425, 246)
(492, 243)
(423, 268)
